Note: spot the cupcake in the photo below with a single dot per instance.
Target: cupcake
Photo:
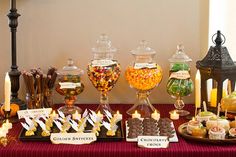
(232, 124)
(204, 116)
(221, 122)
(192, 124)
(232, 132)
(216, 133)
(199, 132)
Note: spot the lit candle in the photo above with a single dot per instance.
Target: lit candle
(213, 98)
(100, 115)
(53, 115)
(155, 115)
(2, 133)
(118, 115)
(4, 129)
(174, 115)
(198, 90)
(136, 114)
(193, 119)
(76, 115)
(7, 124)
(7, 93)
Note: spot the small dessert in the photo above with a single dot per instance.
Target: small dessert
(29, 133)
(35, 123)
(214, 121)
(34, 128)
(95, 132)
(49, 122)
(232, 124)
(199, 132)
(232, 132)
(48, 128)
(66, 126)
(204, 116)
(216, 133)
(193, 124)
(150, 127)
(111, 132)
(165, 127)
(45, 133)
(135, 127)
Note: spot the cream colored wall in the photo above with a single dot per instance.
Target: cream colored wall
(50, 31)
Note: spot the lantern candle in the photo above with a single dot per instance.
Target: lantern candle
(174, 115)
(214, 97)
(7, 93)
(136, 114)
(155, 115)
(198, 90)
(76, 115)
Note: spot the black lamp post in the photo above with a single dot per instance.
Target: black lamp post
(14, 73)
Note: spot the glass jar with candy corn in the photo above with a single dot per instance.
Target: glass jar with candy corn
(143, 74)
(104, 70)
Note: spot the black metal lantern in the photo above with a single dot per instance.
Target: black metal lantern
(218, 66)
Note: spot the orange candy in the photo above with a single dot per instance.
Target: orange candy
(145, 78)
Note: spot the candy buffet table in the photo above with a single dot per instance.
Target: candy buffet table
(111, 149)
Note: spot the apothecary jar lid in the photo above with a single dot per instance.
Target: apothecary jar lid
(103, 45)
(179, 56)
(70, 69)
(143, 49)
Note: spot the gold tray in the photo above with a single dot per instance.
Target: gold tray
(182, 130)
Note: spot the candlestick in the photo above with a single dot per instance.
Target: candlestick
(174, 115)
(136, 114)
(7, 114)
(76, 115)
(155, 115)
(14, 73)
(7, 93)
(198, 90)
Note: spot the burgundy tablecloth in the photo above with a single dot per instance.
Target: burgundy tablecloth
(111, 149)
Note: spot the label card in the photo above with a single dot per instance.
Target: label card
(182, 75)
(145, 65)
(153, 141)
(34, 112)
(73, 138)
(69, 85)
(103, 62)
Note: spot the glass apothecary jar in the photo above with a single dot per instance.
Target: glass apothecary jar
(70, 86)
(103, 71)
(143, 74)
(179, 83)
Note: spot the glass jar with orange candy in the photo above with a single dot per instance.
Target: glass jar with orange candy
(143, 74)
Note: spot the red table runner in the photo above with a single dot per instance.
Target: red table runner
(111, 149)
